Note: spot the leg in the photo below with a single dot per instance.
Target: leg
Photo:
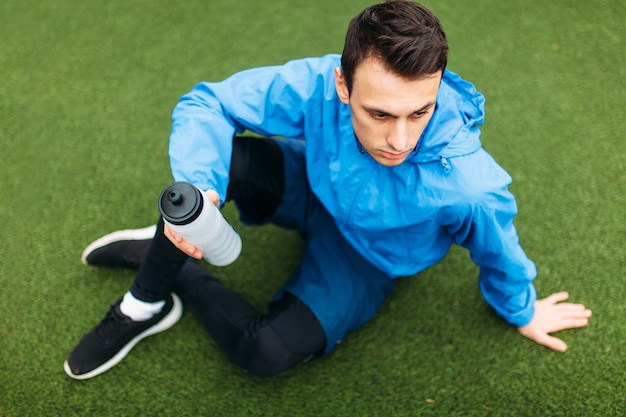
(109, 342)
(256, 187)
(333, 291)
(263, 345)
(329, 302)
(336, 284)
(257, 178)
(290, 333)
(161, 264)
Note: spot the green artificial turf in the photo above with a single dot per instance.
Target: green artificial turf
(86, 93)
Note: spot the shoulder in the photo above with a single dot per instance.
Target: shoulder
(469, 181)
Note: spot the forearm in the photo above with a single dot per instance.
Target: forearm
(512, 297)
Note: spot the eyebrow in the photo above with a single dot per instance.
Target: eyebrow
(386, 113)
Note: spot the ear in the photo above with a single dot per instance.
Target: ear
(341, 87)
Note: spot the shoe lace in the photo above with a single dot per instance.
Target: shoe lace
(113, 325)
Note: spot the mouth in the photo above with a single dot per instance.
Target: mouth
(395, 156)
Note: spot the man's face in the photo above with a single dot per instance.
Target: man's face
(389, 113)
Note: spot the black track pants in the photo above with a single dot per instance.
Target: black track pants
(261, 344)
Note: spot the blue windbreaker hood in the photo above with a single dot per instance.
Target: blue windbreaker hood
(453, 129)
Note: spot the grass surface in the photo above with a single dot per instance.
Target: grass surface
(86, 93)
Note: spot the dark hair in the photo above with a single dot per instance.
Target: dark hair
(405, 36)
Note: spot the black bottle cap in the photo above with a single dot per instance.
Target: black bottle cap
(180, 203)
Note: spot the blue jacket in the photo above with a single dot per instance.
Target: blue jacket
(404, 218)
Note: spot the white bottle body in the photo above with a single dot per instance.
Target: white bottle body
(211, 232)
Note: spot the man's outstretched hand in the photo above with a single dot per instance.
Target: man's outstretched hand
(553, 315)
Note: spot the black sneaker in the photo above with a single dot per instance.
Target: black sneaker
(123, 249)
(109, 342)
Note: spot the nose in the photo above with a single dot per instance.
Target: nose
(398, 138)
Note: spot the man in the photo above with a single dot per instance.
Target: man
(382, 172)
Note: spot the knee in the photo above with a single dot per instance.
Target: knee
(257, 177)
(264, 354)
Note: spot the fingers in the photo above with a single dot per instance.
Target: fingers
(557, 297)
(572, 322)
(213, 196)
(552, 342)
(181, 243)
(558, 315)
(191, 250)
(571, 316)
(558, 322)
(553, 315)
(575, 323)
(543, 338)
(565, 310)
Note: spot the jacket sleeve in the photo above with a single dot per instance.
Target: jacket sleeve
(268, 101)
(485, 227)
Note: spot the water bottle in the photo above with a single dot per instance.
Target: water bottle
(199, 222)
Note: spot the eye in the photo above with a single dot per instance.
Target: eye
(419, 114)
(378, 115)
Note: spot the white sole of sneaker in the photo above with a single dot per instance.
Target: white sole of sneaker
(128, 234)
(168, 321)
